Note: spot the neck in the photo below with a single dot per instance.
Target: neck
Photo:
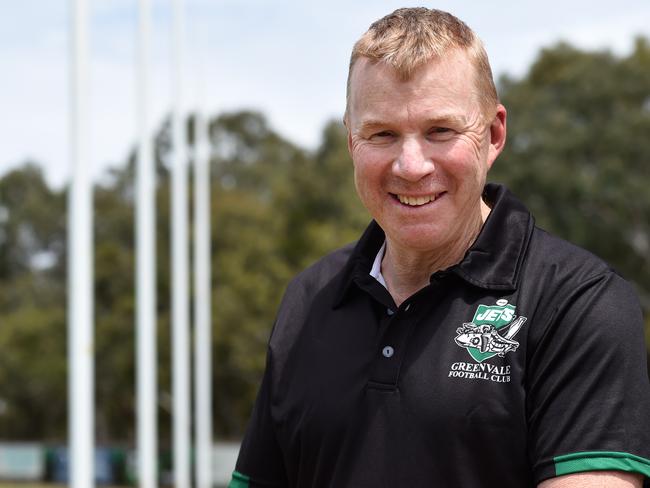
(407, 271)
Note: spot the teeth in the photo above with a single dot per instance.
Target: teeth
(415, 201)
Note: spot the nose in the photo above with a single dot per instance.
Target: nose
(413, 163)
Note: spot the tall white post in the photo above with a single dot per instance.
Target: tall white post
(180, 258)
(80, 263)
(202, 306)
(145, 275)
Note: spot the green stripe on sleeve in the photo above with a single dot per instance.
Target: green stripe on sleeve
(239, 480)
(601, 461)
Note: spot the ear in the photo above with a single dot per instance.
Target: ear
(346, 123)
(497, 134)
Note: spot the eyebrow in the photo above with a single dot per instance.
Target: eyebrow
(445, 119)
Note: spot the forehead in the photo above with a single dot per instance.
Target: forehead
(441, 87)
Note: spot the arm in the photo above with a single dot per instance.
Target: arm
(260, 462)
(595, 479)
(588, 389)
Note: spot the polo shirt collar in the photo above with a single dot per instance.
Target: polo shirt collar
(357, 269)
(493, 262)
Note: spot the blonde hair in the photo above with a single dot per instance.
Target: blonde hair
(408, 38)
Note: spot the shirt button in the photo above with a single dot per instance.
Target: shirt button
(388, 351)
(406, 309)
(389, 311)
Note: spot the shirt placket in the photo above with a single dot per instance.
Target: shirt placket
(397, 328)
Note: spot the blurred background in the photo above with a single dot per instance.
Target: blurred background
(574, 76)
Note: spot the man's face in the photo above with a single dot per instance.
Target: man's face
(421, 149)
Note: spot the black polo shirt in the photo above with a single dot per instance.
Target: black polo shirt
(525, 361)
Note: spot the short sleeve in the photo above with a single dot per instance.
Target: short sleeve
(260, 463)
(588, 403)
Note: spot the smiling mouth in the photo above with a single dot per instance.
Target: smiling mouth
(413, 201)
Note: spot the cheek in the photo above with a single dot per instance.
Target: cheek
(367, 169)
(467, 162)
(466, 149)
(361, 180)
(365, 183)
(368, 183)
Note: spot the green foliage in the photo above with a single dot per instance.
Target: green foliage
(32, 305)
(322, 207)
(32, 368)
(114, 315)
(577, 155)
(32, 219)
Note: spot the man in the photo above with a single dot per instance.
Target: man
(456, 344)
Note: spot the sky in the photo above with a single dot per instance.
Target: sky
(287, 59)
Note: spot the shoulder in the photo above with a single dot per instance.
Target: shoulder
(311, 280)
(575, 290)
(316, 284)
(549, 254)
(560, 270)
(580, 306)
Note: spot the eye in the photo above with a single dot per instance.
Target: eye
(440, 134)
(381, 137)
(382, 134)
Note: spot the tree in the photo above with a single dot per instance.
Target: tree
(32, 306)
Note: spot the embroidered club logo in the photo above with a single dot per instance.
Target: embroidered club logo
(491, 332)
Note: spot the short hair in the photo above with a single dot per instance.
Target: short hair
(408, 38)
